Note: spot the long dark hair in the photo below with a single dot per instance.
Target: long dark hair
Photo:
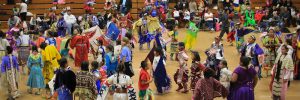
(245, 61)
(196, 56)
(111, 48)
(120, 69)
(67, 43)
(95, 65)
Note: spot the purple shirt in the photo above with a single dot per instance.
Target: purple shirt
(126, 52)
(6, 64)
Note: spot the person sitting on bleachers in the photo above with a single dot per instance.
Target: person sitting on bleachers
(208, 17)
(70, 20)
(13, 21)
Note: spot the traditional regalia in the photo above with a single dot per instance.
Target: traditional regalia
(112, 31)
(249, 18)
(174, 42)
(271, 44)
(283, 70)
(61, 27)
(191, 36)
(144, 35)
(181, 75)
(152, 24)
(35, 65)
(10, 75)
(239, 36)
(111, 62)
(225, 77)
(161, 79)
(50, 56)
(121, 83)
(23, 43)
(85, 85)
(252, 50)
(196, 69)
(82, 45)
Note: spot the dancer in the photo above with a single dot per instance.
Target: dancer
(174, 41)
(122, 84)
(23, 43)
(10, 74)
(225, 74)
(241, 31)
(181, 75)
(249, 17)
(191, 37)
(81, 43)
(196, 69)
(207, 87)
(252, 50)
(161, 79)
(145, 79)
(244, 79)
(111, 61)
(281, 74)
(35, 65)
(65, 81)
(271, 43)
(100, 75)
(85, 83)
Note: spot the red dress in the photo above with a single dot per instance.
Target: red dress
(82, 45)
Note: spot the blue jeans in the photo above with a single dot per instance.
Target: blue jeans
(210, 24)
(64, 93)
(69, 28)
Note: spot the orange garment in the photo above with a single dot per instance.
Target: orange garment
(39, 41)
(58, 42)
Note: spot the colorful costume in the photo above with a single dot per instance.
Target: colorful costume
(191, 36)
(270, 51)
(144, 92)
(50, 58)
(111, 62)
(196, 69)
(61, 27)
(283, 70)
(252, 51)
(181, 76)
(35, 65)
(249, 15)
(85, 86)
(112, 31)
(161, 79)
(82, 45)
(174, 42)
(23, 43)
(225, 77)
(122, 82)
(240, 33)
(208, 89)
(152, 24)
(10, 75)
(243, 88)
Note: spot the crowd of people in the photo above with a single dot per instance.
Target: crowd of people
(44, 45)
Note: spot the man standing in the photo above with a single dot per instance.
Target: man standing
(125, 6)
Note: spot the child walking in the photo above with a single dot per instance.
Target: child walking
(196, 69)
(144, 81)
(174, 41)
(181, 75)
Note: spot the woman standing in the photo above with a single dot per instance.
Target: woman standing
(244, 80)
(207, 87)
(85, 86)
(282, 72)
(35, 64)
(111, 61)
(65, 81)
(3, 44)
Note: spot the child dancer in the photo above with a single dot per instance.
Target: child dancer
(196, 69)
(181, 76)
(174, 42)
(144, 81)
(100, 74)
(225, 74)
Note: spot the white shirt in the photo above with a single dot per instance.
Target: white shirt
(23, 7)
(24, 39)
(124, 80)
(70, 19)
(156, 61)
(225, 76)
(208, 16)
(176, 13)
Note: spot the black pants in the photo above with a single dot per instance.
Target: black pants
(225, 30)
(10, 1)
(128, 69)
(23, 16)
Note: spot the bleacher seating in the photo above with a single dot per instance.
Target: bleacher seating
(40, 7)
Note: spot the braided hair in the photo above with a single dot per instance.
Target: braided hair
(120, 69)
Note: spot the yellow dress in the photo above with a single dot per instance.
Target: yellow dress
(153, 24)
(50, 57)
